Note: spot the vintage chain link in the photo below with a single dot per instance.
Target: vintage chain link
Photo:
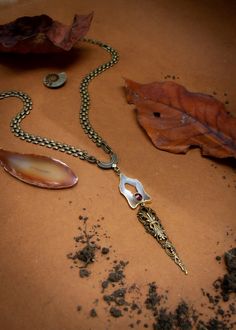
(84, 116)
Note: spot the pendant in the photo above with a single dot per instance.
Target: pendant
(40, 171)
(140, 196)
(148, 217)
(153, 226)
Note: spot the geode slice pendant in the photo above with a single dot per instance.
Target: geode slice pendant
(40, 171)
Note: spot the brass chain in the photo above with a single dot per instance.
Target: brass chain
(83, 115)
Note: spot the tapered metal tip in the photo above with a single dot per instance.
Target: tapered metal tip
(184, 270)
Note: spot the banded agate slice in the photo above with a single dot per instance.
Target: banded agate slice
(37, 170)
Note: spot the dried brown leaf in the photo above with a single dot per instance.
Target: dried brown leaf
(41, 34)
(176, 119)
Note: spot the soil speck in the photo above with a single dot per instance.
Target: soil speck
(115, 312)
(93, 313)
(84, 272)
(105, 250)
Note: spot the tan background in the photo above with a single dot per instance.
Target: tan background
(194, 40)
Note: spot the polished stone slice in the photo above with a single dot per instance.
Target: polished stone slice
(41, 171)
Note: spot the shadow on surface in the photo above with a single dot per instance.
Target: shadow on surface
(22, 62)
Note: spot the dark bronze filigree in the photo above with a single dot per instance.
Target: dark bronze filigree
(153, 226)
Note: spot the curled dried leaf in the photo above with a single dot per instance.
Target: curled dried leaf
(41, 34)
(176, 119)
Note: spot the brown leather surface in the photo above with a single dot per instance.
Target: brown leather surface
(195, 200)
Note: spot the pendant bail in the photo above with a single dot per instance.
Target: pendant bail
(108, 165)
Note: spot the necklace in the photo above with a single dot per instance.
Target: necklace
(145, 214)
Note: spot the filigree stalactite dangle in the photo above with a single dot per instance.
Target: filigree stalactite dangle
(146, 215)
(153, 226)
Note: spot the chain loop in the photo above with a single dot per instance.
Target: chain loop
(84, 116)
(116, 169)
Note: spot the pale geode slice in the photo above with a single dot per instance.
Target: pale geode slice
(37, 170)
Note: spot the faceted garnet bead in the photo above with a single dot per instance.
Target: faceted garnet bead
(138, 196)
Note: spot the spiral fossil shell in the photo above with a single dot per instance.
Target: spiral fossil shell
(37, 170)
(55, 80)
